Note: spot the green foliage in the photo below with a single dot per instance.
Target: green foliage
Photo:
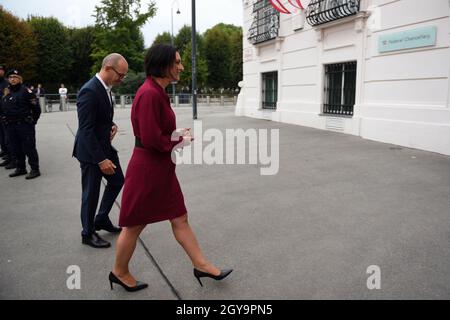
(49, 53)
(184, 38)
(163, 38)
(118, 24)
(53, 50)
(80, 41)
(202, 69)
(18, 45)
(131, 83)
(223, 50)
(236, 63)
(218, 52)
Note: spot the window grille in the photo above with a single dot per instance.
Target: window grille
(340, 88)
(323, 11)
(266, 22)
(270, 90)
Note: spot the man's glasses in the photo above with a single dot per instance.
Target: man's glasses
(121, 75)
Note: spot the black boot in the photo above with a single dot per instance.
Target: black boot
(33, 174)
(18, 172)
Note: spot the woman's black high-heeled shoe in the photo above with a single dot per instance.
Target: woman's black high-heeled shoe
(200, 274)
(114, 279)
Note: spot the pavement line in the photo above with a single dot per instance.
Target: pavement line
(147, 251)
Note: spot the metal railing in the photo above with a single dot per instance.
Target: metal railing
(54, 102)
(323, 11)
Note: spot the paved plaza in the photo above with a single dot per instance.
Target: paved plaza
(338, 205)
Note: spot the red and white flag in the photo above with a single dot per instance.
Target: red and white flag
(280, 7)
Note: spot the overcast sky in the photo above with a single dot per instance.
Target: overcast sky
(77, 13)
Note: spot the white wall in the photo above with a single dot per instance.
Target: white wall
(402, 97)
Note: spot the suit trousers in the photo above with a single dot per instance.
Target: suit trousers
(91, 178)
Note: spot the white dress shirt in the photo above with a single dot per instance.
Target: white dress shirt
(107, 88)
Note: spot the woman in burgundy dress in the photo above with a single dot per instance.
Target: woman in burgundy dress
(151, 192)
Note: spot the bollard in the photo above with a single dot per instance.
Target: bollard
(235, 100)
(122, 101)
(222, 101)
(208, 100)
(42, 104)
(177, 101)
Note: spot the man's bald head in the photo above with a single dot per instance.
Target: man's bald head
(114, 69)
(113, 60)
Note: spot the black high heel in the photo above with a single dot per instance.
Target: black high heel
(200, 274)
(114, 279)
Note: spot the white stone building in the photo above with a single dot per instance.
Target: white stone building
(378, 69)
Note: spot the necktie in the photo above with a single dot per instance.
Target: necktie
(112, 103)
(110, 97)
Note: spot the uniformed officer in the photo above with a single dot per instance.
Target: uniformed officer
(4, 153)
(20, 113)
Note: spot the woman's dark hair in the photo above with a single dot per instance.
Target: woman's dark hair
(159, 59)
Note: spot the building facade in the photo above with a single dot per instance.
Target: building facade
(378, 69)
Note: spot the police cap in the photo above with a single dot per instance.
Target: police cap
(13, 72)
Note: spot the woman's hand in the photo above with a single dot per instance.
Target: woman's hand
(186, 132)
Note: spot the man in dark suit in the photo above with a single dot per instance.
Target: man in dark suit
(94, 151)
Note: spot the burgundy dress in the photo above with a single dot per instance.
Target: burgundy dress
(152, 192)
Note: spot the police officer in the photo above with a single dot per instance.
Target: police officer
(20, 113)
(4, 153)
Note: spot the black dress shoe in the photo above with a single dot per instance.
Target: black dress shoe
(114, 279)
(18, 173)
(95, 241)
(33, 174)
(107, 227)
(11, 166)
(5, 163)
(200, 274)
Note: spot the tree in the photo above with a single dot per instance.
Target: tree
(236, 64)
(54, 51)
(218, 52)
(184, 38)
(80, 41)
(131, 83)
(223, 51)
(202, 68)
(118, 24)
(18, 45)
(163, 38)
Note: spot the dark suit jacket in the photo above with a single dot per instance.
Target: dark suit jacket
(95, 120)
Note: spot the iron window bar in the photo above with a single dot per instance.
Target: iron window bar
(266, 22)
(340, 88)
(270, 90)
(323, 11)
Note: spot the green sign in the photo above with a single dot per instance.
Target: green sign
(410, 39)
